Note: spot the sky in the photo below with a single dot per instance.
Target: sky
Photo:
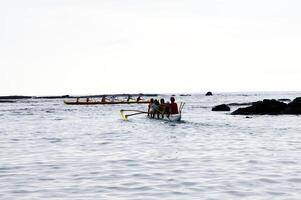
(57, 47)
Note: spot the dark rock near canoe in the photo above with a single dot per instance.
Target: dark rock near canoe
(209, 94)
(294, 107)
(222, 107)
(265, 107)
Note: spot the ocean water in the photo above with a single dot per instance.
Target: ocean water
(49, 150)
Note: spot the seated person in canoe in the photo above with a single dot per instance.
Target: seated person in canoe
(164, 108)
(103, 99)
(139, 98)
(153, 108)
(151, 101)
(173, 106)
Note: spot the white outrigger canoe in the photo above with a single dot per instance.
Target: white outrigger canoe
(170, 118)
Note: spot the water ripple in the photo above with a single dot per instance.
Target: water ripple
(53, 151)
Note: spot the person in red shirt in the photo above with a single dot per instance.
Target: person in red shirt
(173, 106)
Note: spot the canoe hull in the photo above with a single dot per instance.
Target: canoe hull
(172, 118)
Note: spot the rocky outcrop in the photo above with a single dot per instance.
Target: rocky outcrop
(284, 100)
(222, 107)
(209, 94)
(271, 107)
(240, 104)
(294, 107)
(250, 103)
(265, 107)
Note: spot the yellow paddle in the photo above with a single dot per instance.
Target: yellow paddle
(125, 117)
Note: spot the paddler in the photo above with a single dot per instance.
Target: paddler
(151, 101)
(103, 99)
(173, 106)
(162, 107)
(155, 108)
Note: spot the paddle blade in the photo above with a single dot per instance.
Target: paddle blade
(124, 117)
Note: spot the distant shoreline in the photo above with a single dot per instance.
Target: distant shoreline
(15, 97)
(244, 93)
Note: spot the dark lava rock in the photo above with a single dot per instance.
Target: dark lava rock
(265, 107)
(294, 107)
(284, 100)
(222, 107)
(209, 94)
(240, 104)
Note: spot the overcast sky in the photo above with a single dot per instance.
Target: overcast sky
(54, 47)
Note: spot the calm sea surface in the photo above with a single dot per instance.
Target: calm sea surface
(49, 150)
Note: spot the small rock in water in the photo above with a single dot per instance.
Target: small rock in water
(222, 107)
(209, 94)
